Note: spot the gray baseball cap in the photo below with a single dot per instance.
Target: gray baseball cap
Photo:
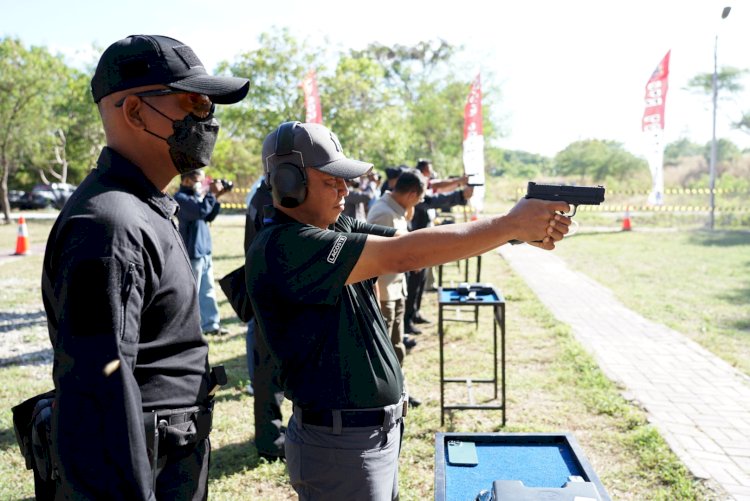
(309, 145)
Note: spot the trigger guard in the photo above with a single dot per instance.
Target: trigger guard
(575, 208)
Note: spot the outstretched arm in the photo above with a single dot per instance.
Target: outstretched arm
(529, 221)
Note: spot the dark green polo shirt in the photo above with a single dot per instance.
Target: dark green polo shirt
(330, 339)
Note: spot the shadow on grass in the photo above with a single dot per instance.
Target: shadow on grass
(8, 441)
(16, 321)
(39, 357)
(740, 296)
(232, 320)
(228, 257)
(742, 325)
(234, 458)
(721, 238)
(237, 379)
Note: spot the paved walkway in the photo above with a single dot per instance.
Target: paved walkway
(699, 403)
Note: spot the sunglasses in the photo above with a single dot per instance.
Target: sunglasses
(191, 102)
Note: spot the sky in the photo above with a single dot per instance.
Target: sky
(567, 70)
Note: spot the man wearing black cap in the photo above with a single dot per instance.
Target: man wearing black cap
(310, 276)
(391, 177)
(133, 386)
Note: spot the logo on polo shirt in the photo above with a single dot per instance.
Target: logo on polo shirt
(337, 246)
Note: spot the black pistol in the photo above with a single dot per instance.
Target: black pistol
(573, 195)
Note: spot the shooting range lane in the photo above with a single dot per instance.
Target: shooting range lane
(699, 403)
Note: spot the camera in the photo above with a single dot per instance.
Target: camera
(228, 185)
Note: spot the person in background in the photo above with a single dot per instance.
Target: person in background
(134, 392)
(438, 196)
(391, 175)
(262, 368)
(394, 209)
(197, 209)
(359, 198)
(370, 187)
(311, 277)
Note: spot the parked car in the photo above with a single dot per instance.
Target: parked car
(43, 196)
(14, 198)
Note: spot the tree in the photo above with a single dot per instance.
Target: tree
(679, 149)
(596, 159)
(423, 80)
(728, 82)
(237, 159)
(388, 104)
(29, 80)
(408, 68)
(360, 109)
(78, 133)
(275, 70)
(516, 163)
(726, 151)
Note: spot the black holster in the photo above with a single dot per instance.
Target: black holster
(32, 423)
(170, 429)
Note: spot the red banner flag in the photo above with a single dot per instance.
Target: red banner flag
(652, 125)
(313, 112)
(473, 110)
(656, 96)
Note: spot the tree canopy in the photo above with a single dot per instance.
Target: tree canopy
(728, 84)
(41, 117)
(596, 160)
(388, 104)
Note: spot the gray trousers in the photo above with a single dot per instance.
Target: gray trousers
(357, 464)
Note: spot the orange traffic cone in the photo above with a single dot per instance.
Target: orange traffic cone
(22, 242)
(626, 220)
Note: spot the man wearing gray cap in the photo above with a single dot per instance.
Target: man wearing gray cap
(311, 274)
(133, 405)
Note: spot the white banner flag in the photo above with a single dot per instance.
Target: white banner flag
(474, 143)
(652, 125)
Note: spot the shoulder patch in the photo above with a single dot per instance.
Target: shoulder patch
(337, 246)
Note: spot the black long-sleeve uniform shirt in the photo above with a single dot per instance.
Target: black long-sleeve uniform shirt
(422, 217)
(124, 324)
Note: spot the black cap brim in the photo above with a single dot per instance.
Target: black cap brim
(346, 168)
(221, 90)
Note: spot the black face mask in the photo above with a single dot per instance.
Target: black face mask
(192, 142)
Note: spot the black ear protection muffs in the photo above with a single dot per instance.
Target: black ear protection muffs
(288, 181)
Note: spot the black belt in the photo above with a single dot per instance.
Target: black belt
(162, 421)
(349, 418)
(178, 416)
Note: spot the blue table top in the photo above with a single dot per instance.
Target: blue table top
(484, 295)
(538, 465)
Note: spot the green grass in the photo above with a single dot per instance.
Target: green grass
(696, 282)
(21, 287)
(553, 385)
